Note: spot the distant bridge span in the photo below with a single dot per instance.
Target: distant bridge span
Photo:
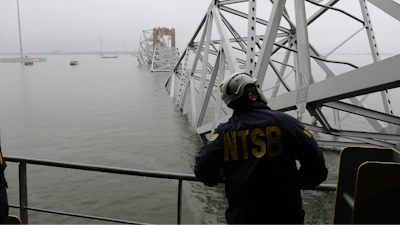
(158, 49)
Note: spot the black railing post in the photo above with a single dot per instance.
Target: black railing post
(23, 193)
(179, 201)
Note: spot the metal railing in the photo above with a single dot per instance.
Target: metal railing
(23, 203)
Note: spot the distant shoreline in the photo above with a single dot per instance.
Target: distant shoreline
(121, 53)
(384, 53)
(67, 53)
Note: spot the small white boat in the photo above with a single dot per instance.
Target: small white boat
(74, 63)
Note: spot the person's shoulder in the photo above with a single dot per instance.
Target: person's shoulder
(285, 115)
(218, 132)
(222, 127)
(287, 119)
(281, 114)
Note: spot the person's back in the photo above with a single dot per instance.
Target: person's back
(4, 208)
(257, 151)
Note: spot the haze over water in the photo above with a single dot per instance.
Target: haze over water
(110, 112)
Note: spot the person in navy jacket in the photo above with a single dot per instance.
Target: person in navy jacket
(255, 154)
(4, 208)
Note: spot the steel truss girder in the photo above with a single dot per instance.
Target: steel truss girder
(368, 139)
(390, 7)
(217, 56)
(353, 83)
(145, 53)
(244, 15)
(161, 56)
(361, 111)
(268, 43)
(164, 58)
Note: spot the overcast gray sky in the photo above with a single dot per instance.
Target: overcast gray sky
(77, 25)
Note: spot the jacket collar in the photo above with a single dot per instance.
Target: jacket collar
(250, 106)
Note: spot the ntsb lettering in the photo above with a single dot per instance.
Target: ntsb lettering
(266, 141)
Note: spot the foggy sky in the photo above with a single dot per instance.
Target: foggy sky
(77, 25)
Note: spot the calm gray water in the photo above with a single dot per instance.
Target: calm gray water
(110, 112)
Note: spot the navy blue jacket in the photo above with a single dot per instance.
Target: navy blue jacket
(256, 152)
(4, 208)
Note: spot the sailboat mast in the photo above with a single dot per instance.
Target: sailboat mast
(19, 24)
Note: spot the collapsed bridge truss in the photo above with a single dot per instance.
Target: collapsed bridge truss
(300, 79)
(158, 49)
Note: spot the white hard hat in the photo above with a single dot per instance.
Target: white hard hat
(232, 87)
